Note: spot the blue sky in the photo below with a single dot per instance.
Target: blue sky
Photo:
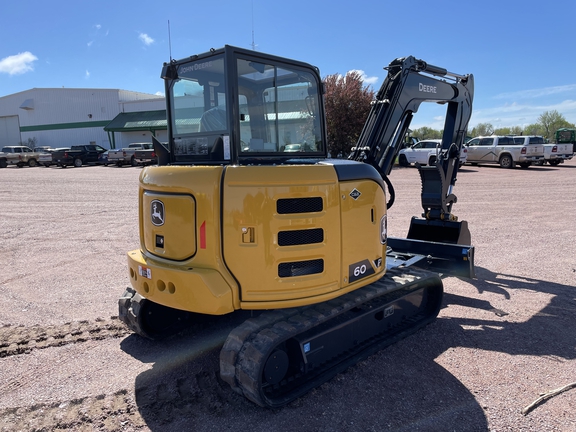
(522, 53)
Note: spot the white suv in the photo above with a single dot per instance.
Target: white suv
(425, 152)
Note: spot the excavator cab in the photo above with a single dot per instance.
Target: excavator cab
(233, 106)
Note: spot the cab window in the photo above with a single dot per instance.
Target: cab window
(279, 110)
(199, 117)
(474, 142)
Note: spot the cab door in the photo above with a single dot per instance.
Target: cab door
(481, 150)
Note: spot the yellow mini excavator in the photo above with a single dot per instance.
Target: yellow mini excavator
(245, 211)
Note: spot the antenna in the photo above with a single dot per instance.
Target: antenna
(253, 44)
(169, 42)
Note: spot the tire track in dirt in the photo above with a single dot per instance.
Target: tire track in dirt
(153, 406)
(22, 340)
(103, 412)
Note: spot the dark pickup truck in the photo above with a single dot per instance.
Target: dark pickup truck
(146, 157)
(78, 155)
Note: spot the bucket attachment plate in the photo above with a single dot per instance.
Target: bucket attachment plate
(439, 231)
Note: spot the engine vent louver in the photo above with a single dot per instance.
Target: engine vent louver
(299, 205)
(300, 268)
(300, 237)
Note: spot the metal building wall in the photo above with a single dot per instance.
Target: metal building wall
(9, 131)
(61, 117)
(143, 105)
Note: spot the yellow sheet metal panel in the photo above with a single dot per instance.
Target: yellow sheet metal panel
(276, 252)
(363, 205)
(192, 289)
(169, 222)
(191, 230)
(202, 184)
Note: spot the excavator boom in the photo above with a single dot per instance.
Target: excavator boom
(409, 83)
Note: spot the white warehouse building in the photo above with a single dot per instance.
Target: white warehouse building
(62, 117)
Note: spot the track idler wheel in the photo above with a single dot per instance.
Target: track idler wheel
(148, 319)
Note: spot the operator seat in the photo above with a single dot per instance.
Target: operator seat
(213, 120)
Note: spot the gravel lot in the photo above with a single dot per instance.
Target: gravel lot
(500, 340)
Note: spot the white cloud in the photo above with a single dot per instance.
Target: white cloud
(521, 114)
(367, 80)
(18, 64)
(98, 26)
(87, 75)
(146, 39)
(534, 93)
(159, 93)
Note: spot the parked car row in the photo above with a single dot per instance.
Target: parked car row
(506, 151)
(76, 156)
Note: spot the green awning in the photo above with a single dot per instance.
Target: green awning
(138, 121)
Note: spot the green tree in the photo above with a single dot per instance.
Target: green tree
(516, 130)
(551, 121)
(502, 131)
(426, 133)
(482, 129)
(347, 103)
(534, 129)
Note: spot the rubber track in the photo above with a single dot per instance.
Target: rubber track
(22, 340)
(249, 344)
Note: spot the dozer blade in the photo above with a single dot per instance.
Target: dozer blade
(280, 355)
(445, 258)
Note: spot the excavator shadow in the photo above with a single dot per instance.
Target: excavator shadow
(400, 388)
(548, 332)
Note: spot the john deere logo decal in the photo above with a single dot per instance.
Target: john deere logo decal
(157, 212)
(355, 193)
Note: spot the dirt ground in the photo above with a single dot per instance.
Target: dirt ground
(67, 363)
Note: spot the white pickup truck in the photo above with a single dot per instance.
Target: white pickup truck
(505, 151)
(554, 154)
(19, 156)
(125, 156)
